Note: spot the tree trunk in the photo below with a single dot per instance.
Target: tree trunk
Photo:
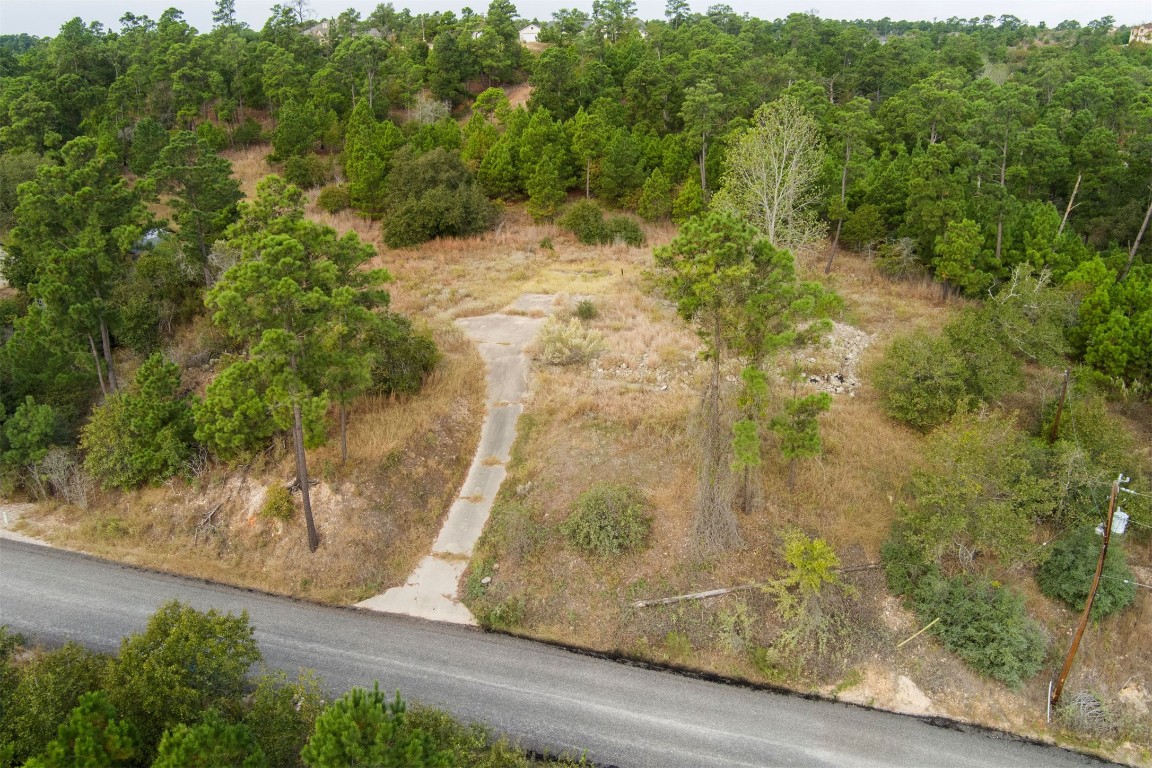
(843, 205)
(1136, 244)
(343, 432)
(99, 369)
(302, 475)
(106, 341)
(1071, 201)
(1003, 194)
(703, 164)
(588, 180)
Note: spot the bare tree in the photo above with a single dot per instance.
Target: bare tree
(773, 170)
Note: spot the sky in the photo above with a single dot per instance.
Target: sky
(44, 17)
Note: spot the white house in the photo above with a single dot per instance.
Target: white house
(529, 33)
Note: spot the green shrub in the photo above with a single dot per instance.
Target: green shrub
(622, 229)
(546, 244)
(334, 198)
(608, 520)
(586, 310)
(49, 688)
(1071, 565)
(402, 357)
(247, 133)
(143, 435)
(278, 503)
(983, 623)
(586, 221)
(282, 714)
(307, 171)
(920, 380)
(568, 343)
(212, 135)
(903, 560)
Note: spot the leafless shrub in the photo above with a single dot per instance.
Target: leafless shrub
(66, 476)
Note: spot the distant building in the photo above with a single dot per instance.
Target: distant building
(1141, 34)
(319, 31)
(529, 34)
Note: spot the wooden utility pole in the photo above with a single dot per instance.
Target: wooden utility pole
(1091, 596)
(1059, 410)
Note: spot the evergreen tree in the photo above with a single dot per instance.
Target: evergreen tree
(689, 201)
(655, 197)
(142, 435)
(76, 224)
(545, 189)
(211, 743)
(93, 737)
(799, 431)
(204, 193)
(363, 728)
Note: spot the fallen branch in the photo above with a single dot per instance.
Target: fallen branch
(728, 590)
(922, 631)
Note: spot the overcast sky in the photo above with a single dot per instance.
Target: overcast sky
(44, 17)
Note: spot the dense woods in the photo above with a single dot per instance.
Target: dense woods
(1008, 164)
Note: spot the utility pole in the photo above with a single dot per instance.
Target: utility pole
(1055, 699)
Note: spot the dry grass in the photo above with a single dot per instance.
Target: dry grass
(249, 165)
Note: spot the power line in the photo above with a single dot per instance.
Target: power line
(1128, 581)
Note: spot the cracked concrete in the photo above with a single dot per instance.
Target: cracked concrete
(432, 590)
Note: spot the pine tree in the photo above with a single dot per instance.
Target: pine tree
(799, 431)
(655, 197)
(689, 200)
(75, 226)
(204, 193)
(92, 737)
(545, 189)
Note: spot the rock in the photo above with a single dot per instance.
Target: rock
(910, 699)
(486, 580)
(1134, 697)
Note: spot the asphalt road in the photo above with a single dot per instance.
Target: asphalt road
(550, 699)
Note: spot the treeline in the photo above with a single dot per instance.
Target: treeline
(179, 695)
(964, 149)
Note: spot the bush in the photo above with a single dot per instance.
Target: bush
(608, 520)
(402, 356)
(586, 221)
(586, 310)
(307, 171)
(568, 344)
(622, 229)
(247, 133)
(278, 503)
(984, 624)
(1071, 565)
(49, 688)
(903, 560)
(432, 195)
(143, 435)
(920, 380)
(212, 135)
(334, 198)
(184, 663)
(282, 714)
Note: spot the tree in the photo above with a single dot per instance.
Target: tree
(545, 189)
(75, 226)
(93, 737)
(363, 728)
(799, 431)
(706, 271)
(211, 743)
(655, 197)
(960, 257)
(296, 281)
(185, 662)
(590, 136)
(773, 168)
(702, 113)
(28, 435)
(142, 435)
(49, 688)
(204, 192)
(432, 195)
(689, 201)
(854, 126)
(1067, 574)
(297, 128)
